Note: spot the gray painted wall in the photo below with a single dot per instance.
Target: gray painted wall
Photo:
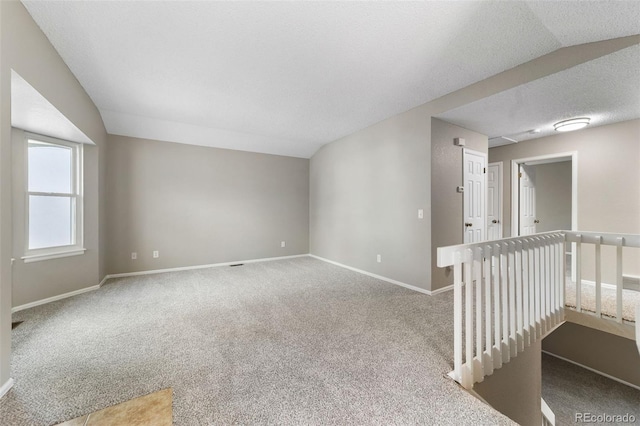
(553, 196)
(604, 352)
(365, 192)
(25, 49)
(40, 280)
(516, 388)
(608, 182)
(446, 202)
(199, 205)
(365, 188)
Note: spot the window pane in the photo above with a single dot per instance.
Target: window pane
(50, 221)
(50, 168)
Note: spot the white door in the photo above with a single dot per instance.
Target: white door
(527, 202)
(474, 181)
(494, 201)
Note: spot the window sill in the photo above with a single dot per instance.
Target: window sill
(55, 255)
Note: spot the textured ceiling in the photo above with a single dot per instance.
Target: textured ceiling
(606, 89)
(287, 77)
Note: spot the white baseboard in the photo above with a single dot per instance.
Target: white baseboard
(631, 282)
(380, 277)
(189, 268)
(54, 298)
(5, 388)
(104, 280)
(604, 285)
(442, 290)
(608, 376)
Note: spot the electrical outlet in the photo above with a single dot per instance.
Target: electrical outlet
(283, 244)
(420, 214)
(379, 258)
(156, 254)
(134, 255)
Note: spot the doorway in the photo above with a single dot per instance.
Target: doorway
(528, 215)
(494, 201)
(550, 218)
(474, 190)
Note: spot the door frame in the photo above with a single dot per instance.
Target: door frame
(543, 159)
(500, 165)
(484, 189)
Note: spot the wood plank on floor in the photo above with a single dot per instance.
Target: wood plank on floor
(154, 409)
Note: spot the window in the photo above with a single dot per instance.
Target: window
(53, 198)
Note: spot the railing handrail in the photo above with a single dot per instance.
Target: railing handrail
(446, 254)
(510, 292)
(604, 238)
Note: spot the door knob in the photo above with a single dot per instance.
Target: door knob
(536, 221)
(468, 224)
(495, 221)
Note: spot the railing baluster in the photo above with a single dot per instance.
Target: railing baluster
(619, 283)
(559, 251)
(539, 293)
(504, 283)
(457, 316)
(560, 262)
(525, 291)
(563, 274)
(598, 276)
(552, 282)
(532, 290)
(511, 266)
(497, 325)
(519, 307)
(514, 294)
(547, 285)
(488, 354)
(467, 374)
(477, 274)
(579, 273)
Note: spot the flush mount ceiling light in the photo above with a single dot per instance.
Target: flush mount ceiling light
(572, 124)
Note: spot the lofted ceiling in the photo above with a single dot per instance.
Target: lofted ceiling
(287, 77)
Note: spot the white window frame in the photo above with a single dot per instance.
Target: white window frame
(77, 246)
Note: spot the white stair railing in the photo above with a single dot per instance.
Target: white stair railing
(597, 240)
(638, 327)
(548, 417)
(509, 293)
(513, 291)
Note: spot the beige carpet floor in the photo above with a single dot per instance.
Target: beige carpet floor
(291, 342)
(630, 299)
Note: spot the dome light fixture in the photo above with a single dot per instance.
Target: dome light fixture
(572, 124)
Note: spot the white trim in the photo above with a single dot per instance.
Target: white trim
(389, 280)
(104, 280)
(603, 285)
(484, 155)
(76, 194)
(441, 290)
(54, 298)
(547, 413)
(593, 370)
(49, 256)
(515, 189)
(631, 282)
(500, 165)
(515, 186)
(6, 387)
(188, 268)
